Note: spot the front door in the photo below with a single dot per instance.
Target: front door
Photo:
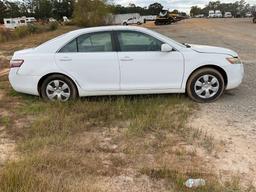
(144, 66)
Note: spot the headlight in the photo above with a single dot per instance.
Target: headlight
(234, 60)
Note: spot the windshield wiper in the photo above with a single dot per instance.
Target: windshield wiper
(187, 45)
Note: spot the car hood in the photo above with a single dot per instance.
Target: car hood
(213, 50)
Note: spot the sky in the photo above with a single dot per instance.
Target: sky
(182, 5)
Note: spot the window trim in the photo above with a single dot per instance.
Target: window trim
(131, 31)
(114, 45)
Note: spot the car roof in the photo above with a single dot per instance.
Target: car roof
(107, 28)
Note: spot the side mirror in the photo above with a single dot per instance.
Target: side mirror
(166, 48)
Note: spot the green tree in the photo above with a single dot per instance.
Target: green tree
(90, 13)
(43, 9)
(3, 10)
(155, 8)
(195, 10)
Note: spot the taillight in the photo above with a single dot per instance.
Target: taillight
(16, 63)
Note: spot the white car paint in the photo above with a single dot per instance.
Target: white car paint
(117, 73)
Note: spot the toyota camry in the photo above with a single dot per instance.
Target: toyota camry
(123, 60)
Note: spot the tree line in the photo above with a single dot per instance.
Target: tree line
(238, 8)
(80, 10)
(40, 9)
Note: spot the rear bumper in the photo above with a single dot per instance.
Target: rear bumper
(23, 83)
(235, 75)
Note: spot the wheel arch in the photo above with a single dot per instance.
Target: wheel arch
(218, 68)
(40, 82)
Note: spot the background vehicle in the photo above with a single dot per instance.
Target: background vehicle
(211, 14)
(218, 14)
(164, 18)
(31, 19)
(133, 20)
(248, 14)
(199, 16)
(228, 15)
(12, 23)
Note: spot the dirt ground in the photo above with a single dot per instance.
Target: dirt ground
(232, 119)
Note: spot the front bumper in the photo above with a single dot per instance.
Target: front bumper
(23, 83)
(235, 74)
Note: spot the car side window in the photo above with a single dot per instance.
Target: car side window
(97, 42)
(70, 47)
(136, 41)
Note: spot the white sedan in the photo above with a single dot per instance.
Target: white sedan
(122, 60)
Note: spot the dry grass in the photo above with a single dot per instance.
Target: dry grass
(69, 146)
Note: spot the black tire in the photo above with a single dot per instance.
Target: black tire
(254, 20)
(190, 89)
(139, 23)
(125, 23)
(72, 87)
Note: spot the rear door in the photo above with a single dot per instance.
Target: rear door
(92, 60)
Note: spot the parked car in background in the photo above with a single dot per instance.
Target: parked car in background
(133, 20)
(123, 60)
(52, 20)
(248, 15)
(31, 19)
(199, 16)
(218, 14)
(228, 15)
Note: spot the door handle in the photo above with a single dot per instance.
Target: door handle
(126, 59)
(65, 59)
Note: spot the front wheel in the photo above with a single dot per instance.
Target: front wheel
(205, 85)
(58, 88)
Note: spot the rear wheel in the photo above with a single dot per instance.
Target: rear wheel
(58, 88)
(205, 85)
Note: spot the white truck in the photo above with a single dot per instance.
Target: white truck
(218, 14)
(133, 20)
(211, 14)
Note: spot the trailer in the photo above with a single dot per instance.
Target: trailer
(12, 23)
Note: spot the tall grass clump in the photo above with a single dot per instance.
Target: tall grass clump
(23, 31)
(5, 35)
